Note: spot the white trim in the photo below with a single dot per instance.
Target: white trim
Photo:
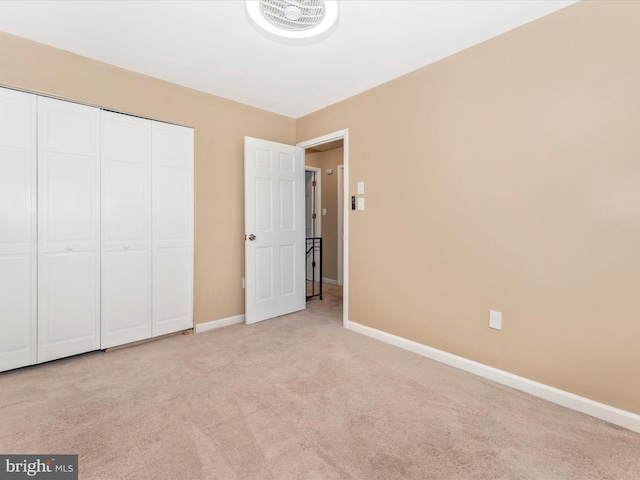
(223, 322)
(330, 281)
(340, 217)
(590, 407)
(330, 137)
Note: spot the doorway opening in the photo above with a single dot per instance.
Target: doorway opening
(313, 231)
(328, 156)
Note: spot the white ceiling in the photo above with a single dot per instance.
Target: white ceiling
(212, 46)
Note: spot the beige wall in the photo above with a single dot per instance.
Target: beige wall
(220, 126)
(507, 177)
(324, 160)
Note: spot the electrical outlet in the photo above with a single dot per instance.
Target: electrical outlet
(495, 320)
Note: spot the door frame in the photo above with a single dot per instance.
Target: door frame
(330, 137)
(341, 217)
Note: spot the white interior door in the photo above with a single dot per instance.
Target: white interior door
(17, 229)
(172, 213)
(275, 229)
(126, 229)
(68, 237)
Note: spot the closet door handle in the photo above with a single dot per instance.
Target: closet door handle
(69, 247)
(126, 247)
(252, 237)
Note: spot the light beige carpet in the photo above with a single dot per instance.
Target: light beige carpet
(296, 397)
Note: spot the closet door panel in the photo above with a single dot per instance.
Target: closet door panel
(17, 311)
(126, 315)
(16, 204)
(17, 229)
(68, 303)
(172, 289)
(68, 127)
(68, 238)
(126, 229)
(68, 202)
(126, 204)
(172, 224)
(172, 195)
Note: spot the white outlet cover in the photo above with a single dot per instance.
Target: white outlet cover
(361, 189)
(360, 203)
(495, 320)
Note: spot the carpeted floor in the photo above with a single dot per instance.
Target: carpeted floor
(297, 397)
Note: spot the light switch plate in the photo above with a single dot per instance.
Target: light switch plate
(495, 320)
(360, 203)
(361, 189)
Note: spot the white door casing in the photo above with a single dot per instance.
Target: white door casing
(314, 142)
(275, 230)
(18, 242)
(173, 216)
(126, 229)
(340, 222)
(68, 229)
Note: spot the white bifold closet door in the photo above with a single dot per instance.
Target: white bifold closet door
(68, 229)
(172, 193)
(18, 243)
(126, 229)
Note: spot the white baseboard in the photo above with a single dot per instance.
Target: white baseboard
(330, 281)
(602, 411)
(223, 322)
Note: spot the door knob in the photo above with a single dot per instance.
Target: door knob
(252, 237)
(126, 247)
(69, 247)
